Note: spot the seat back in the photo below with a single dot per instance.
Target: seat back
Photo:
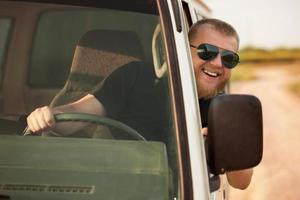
(98, 53)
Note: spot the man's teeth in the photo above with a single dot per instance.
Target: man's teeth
(213, 74)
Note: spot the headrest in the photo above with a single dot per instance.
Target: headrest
(120, 42)
(97, 54)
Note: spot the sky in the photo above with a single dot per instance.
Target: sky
(261, 23)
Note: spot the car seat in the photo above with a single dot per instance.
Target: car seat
(97, 54)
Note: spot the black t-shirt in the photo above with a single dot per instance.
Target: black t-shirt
(204, 106)
(133, 95)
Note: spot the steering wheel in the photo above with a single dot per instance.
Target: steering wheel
(95, 119)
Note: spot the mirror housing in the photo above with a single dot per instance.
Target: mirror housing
(235, 133)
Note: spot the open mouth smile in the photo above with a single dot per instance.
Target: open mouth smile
(210, 73)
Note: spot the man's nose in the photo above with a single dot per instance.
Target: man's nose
(217, 61)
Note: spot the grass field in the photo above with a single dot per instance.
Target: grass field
(252, 57)
(244, 72)
(250, 54)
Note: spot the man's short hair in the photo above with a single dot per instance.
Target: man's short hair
(217, 24)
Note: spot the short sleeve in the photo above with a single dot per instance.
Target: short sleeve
(114, 91)
(204, 106)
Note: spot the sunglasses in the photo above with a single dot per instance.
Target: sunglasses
(208, 52)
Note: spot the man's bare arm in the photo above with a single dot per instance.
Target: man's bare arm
(240, 179)
(42, 118)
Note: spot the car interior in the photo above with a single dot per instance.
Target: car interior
(55, 54)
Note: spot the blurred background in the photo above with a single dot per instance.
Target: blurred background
(269, 69)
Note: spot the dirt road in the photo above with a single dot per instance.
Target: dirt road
(278, 175)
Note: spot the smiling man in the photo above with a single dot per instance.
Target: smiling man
(214, 45)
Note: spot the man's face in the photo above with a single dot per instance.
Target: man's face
(211, 76)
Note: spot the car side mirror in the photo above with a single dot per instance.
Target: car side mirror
(235, 133)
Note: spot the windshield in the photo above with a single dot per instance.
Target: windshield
(55, 54)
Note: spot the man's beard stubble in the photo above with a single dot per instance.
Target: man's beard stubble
(204, 93)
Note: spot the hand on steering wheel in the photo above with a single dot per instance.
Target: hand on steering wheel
(95, 119)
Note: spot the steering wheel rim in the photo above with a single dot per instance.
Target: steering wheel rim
(96, 119)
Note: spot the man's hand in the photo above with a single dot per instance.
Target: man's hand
(41, 119)
(240, 179)
(204, 131)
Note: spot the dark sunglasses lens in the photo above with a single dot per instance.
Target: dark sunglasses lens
(207, 52)
(230, 59)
